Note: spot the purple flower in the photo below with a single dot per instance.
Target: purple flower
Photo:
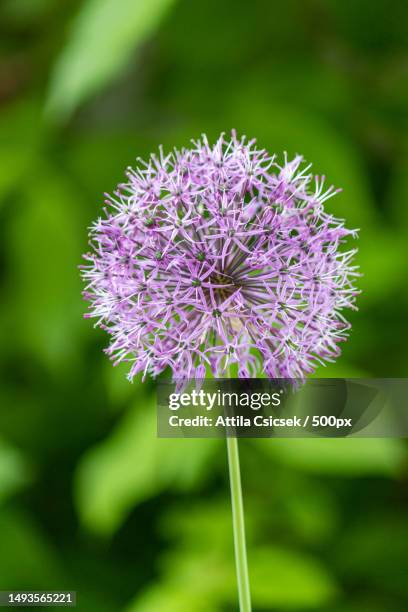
(220, 255)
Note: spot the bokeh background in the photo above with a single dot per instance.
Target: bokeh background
(89, 498)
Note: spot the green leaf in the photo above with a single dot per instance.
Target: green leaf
(103, 36)
(20, 128)
(171, 599)
(118, 388)
(203, 546)
(44, 302)
(28, 557)
(14, 470)
(133, 465)
(182, 582)
(14, 159)
(288, 579)
(311, 513)
(340, 456)
(206, 581)
(365, 555)
(25, 11)
(339, 369)
(382, 260)
(398, 192)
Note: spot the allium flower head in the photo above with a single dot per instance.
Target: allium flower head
(221, 255)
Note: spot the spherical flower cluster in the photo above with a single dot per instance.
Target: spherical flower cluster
(219, 255)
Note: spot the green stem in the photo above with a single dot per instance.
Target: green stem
(238, 526)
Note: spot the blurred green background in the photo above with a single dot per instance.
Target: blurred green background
(89, 498)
